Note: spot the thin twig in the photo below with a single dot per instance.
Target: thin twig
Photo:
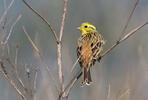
(126, 92)
(73, 82)
(35, 78)
(16, 69)
(11, 29)
(6, 11)
(42, 59)
(11, 81)
(63, 19)
(16, 73)
(35, 82)
(108, 93)
(45, 20)
(16, 55)
(73, 67)
(3, 50)
(59, 46)
(128, 20)
(124, 38)
(30, 40)
(8, 48)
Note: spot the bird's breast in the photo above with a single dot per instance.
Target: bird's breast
(86, 53)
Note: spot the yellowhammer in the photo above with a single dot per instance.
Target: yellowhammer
(89, 50)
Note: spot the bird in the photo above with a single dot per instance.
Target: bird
(89, 50)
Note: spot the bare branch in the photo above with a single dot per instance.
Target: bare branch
(133, 31)
(6, 11)
(59, 46)
(60, 66)
(63, 19)
(73, 67)
(71, 84)
(34, 46)
(16, 73)
(35, 78)
(108, 93)
(74, 80)
(11, 81)
(16, 55)
(49, 25)
(124, 38)
(128, 20)
(11, 29)
(3, 50)
(8, 48)
(42, 59)
(124, 93)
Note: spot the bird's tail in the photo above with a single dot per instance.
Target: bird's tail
(86, 76)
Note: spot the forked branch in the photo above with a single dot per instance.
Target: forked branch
(129, 19)
(124, 38)
(45, 20)
(42, 59)
(11, 81)
(59, 46)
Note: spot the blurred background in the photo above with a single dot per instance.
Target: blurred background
(123, 72)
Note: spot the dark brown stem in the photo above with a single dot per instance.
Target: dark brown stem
(49, 25)
(124, 38)
(129, 19)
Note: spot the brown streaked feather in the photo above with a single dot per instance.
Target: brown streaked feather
(86, 54)
(88, 51)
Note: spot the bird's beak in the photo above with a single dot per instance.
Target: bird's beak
(79, 28)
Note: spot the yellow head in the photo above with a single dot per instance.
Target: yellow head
(86, 28)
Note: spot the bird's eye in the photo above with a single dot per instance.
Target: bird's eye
(85, 26)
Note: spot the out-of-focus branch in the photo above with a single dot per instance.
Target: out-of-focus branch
(45, 20)
(108, 93)
(35, 78)
(11, 81)
(59, 46)
(16, 69)
(16, 55)
(11, 29)
(16, 73)
(124, 93)
(6, 11)
(42, 59)
(129, 19)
